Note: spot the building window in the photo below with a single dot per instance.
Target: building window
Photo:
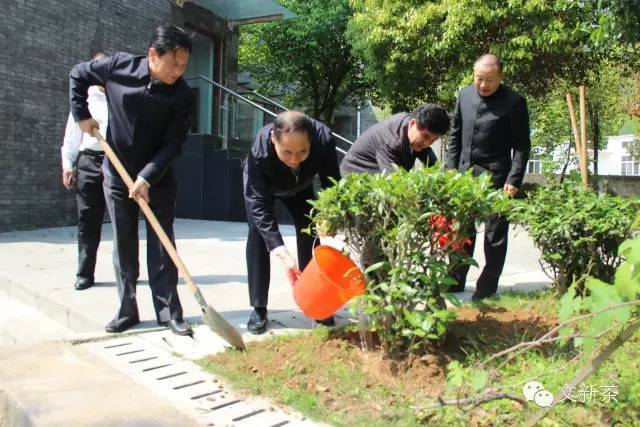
(345, 126)
(534, 166)
(630, 166)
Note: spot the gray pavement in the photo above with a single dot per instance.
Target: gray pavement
(38, 268)
(38, 304)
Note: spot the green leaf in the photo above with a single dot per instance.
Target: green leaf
(627, 283)
(375, 267)
(630, 249)
(586, 344)
(453, 299)
(604, 296)
(569, 305)
(479, 380)
(455, 374)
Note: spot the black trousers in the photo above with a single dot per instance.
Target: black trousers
(258, 261)
(163, 274)
(496, 236)
(91, 206)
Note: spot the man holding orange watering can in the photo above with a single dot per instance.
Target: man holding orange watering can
(284, 158)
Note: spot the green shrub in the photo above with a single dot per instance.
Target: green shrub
(577, 231)
(407, 229)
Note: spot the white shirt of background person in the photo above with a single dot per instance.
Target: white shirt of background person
(75, 140)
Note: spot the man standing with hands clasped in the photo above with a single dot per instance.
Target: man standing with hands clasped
(150, 109)
(281, 164)
(82, 159)
(490, 134)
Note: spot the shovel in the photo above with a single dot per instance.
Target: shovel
(211, 317)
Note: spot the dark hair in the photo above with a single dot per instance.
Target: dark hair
(490, 55)
(170, 37)
(292, 121)
(432, 117)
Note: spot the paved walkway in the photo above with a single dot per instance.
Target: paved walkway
(38, 304)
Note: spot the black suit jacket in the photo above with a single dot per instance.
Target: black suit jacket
(148, 120)
(265, 177)
(490, 134)
(383, 145)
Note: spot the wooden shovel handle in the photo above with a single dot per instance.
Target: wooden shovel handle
(148, 213)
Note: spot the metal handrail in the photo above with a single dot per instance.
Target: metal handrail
(272, 102)
(260, 107)
(269, 100)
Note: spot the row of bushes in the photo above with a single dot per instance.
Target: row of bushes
(407, 229)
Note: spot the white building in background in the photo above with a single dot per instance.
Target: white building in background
(615, 160)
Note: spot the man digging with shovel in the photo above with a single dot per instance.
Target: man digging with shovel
(150, 108)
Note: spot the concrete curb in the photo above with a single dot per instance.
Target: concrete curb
(53, 309)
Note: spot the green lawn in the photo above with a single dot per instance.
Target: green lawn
(324, 375)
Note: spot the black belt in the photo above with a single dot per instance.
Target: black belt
(92, 153)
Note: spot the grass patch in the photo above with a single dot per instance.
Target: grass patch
(324, 375)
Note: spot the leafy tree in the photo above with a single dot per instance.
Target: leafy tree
(618, 20)
(606, 93)
(308, 57)
(424, 50)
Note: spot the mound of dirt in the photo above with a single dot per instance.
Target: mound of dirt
(339, 373)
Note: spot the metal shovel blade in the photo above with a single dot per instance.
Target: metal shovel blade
(220, 326)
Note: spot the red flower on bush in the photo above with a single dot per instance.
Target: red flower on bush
(440, 222)
(442, 238)
(444, 235)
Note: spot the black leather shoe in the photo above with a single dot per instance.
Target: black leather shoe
(257, 323)
(178, 327)
(121, 325)
(82, 283)
(329, 321)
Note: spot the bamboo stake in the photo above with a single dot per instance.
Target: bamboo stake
(583, 137)
(576, 135)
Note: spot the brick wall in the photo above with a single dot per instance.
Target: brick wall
(41, 40)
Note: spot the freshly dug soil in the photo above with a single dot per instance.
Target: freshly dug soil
(376, 382)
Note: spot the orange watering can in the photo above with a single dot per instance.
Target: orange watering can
(327, 283)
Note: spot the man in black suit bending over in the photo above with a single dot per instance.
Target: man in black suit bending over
(397, 142)
(284, 158)
(490, 133)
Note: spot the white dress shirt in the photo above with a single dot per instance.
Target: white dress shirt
(74, 139)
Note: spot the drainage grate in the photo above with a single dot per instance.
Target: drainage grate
(250, 414)
(166, 377)
(143, 360)
(118, 345)
(130, 352)
(200, 396)
(179, 387)
(156, 367)
(184, 383)
(225, 404)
